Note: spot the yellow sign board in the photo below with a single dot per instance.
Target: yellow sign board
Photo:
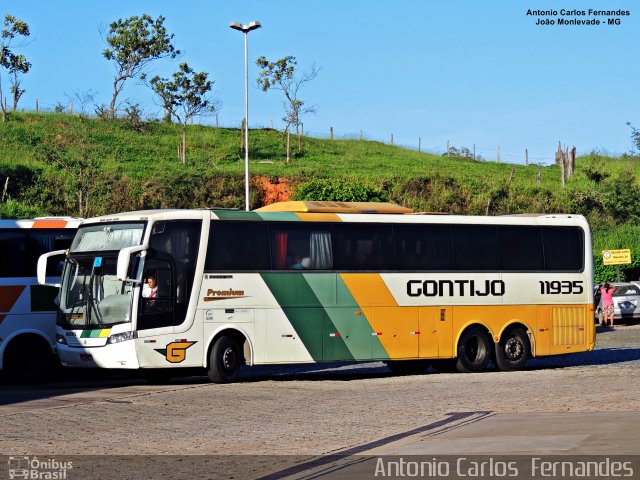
(616, 257)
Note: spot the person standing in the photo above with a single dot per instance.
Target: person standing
(606, 292)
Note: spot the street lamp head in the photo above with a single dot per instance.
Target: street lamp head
(245, 28)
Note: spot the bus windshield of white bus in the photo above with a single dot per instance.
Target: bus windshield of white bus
(92, 296)
(104, 237)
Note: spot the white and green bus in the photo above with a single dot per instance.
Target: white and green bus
(302, 282)
(28, 310)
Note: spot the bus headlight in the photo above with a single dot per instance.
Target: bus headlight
(60, 339)
(120, 337)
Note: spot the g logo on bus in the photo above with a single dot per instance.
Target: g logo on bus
(175, 352)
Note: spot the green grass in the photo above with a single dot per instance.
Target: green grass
(140, 169)
(152, 153)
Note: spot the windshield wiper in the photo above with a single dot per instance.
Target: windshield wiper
(92, 303)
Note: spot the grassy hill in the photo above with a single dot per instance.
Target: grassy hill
(60, 164)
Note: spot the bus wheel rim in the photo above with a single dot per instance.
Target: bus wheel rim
(229, 359)
(513, 349)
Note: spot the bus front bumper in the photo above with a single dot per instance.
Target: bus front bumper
(117, 356)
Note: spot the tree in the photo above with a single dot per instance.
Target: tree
(133, 44)
(281, 75)
(185, 97)
(635, 135)
(16, 65)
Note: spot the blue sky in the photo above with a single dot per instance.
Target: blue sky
(468, 72)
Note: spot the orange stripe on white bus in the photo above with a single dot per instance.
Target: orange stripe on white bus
(49, 224)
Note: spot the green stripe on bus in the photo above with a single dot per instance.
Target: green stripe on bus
(279, 216)
(91, 333)
(43, 298)
(307, 315)
(368, 345)
(236, 215)
(345, 313)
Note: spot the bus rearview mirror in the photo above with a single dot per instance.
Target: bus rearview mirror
(124, 258)
(42, 267)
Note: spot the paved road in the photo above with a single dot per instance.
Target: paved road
(277, 417)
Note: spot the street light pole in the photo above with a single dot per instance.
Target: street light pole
(246, 29)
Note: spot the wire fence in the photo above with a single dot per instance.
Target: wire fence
(471, 150)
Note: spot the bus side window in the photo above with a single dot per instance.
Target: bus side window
(14, 261)
(364, 247)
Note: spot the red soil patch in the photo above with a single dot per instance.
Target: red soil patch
(273, 190)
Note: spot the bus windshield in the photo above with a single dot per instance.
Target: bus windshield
(110, 236)
(91, 296)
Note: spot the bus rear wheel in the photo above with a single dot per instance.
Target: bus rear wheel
(225, 360)
(474, 350)
(513, 350)
(28, 359)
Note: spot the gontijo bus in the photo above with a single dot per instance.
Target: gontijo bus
(28, 310)
(322, 281)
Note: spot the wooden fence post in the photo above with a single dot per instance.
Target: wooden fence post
(36, 105)
(474, 151)
(419, 143)
(330, 133)
(392, 139)
(563, 178)
(4, 190)
(447, 148)
(526, 157)
(572, 161)
(70, 106)
(288, 147)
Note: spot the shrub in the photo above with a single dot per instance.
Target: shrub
(16, 209)
(336, 191)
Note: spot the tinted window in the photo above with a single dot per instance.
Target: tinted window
(179, 240)
(238, 246)
(15, 254)
(520, 248)
(563, 249)
(423, 247)
(22, 248)
(623, 290)
(475, 248)
(363, 247)
(301, 246)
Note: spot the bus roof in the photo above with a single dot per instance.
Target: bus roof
(334, 207)
(42, 222)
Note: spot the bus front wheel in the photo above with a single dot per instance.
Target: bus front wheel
(474, 350)
(513, 350)
(225, 360)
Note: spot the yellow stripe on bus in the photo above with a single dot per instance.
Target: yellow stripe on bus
(433, 331)
(318, 217)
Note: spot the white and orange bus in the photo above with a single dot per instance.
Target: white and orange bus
(28, 310)
(300, 282)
